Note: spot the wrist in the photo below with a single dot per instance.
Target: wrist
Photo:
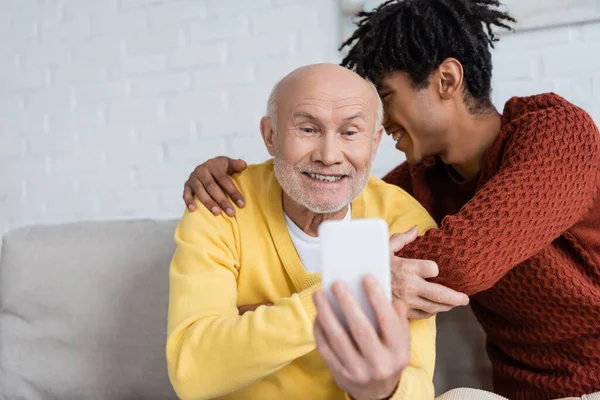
(388, 397)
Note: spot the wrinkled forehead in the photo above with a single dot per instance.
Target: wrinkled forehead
(328, 105)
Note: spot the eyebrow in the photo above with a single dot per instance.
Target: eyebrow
(303, 114)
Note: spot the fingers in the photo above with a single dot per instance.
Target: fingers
(385, 315)
(235, 165)
(437, 293)
(188, 197)
(403, 333)
(399, 240)
(362, 330)
(335, 334)
(227, 184)
(406, 267)
(428, 297)
(324, 349)
(425, 308)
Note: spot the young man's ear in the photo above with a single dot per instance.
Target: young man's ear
(268, 134)
(449, 78)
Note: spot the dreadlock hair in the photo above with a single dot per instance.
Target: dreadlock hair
(416, 36)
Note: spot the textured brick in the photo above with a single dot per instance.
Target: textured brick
(46, 144)
(192, 151)
(277, 20)
(518, 66)
(218, 29)
(129, 203)
(83, 161)
(40, 102)
(129, 4)
(99, 93)
(236, 7)
(117, 23)
(590, 31)
(135, 156)
(9, 104)
(197, 105)
(137, 65)
(171, 13)
(223, 76)
(97, 50)
(107, 178)
(251, 99)
(199, 55)
(75, 31)
(10, 143)
(163, 132)
(170, 176)
(103, 138)
(132, 111)
(263, 46)
(573, 59)
(155, 41)
(161, 84)
(79, 121)
(25, 80)
(77, 8)
(46, 56)
(576, 90)
(82, 73)
(218, 124)
(250, 147)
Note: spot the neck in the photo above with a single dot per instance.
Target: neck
(307, 220)
(470, 142)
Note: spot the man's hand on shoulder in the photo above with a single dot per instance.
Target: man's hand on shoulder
(409, 282)
(363, 363)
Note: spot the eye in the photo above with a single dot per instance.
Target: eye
(350, 133)
(307, 130)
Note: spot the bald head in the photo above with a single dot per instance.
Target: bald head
(327, 80)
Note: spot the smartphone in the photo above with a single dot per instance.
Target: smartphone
(349, 251)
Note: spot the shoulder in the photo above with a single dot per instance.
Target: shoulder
(396, 206)
(254, 178)
(549, 118)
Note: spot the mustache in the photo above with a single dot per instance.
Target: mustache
(328, 171)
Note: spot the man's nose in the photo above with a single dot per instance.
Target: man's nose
(329, 150)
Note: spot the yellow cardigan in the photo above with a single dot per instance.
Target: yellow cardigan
(221, 263)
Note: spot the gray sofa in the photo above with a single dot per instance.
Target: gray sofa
(84, 307)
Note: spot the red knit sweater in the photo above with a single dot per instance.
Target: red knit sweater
(523, 240)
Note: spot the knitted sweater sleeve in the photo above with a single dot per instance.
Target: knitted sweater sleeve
(546, 181)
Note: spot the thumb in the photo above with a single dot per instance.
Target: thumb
(237, 165)
(399, 240)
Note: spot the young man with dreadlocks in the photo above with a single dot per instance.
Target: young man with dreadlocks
(515, 194)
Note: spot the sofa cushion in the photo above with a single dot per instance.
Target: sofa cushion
(461, 357)
(84, 311)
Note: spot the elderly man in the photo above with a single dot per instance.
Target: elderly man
(242, 321)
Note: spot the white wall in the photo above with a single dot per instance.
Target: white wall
(106, 105)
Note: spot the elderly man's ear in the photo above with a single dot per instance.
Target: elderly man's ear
(376, 140)
(268, 134)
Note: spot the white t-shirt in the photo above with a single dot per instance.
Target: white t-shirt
(307, 246)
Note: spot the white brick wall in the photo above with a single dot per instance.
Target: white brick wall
(105, 106)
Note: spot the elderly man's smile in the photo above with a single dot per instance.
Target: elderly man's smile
(324, 178)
